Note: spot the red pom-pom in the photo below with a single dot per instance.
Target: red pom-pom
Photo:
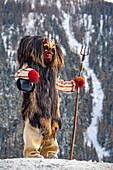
(79, 82)
(33, 76)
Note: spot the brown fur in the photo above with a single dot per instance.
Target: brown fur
(41, 106)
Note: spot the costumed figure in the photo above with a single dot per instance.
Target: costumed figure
(40, 61)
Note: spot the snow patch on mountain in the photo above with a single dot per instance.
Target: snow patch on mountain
(6, 37)
(28, 24)
(73, 43)
(109, 1)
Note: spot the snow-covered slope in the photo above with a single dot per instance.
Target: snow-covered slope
(52, 164)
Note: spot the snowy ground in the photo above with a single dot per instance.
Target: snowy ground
(51, 164)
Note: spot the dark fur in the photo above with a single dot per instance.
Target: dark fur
(42, 104)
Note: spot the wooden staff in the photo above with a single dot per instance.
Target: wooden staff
(83, 53)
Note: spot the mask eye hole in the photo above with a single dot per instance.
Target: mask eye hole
(46, 48)
(53, 50)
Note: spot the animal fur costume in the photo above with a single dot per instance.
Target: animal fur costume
(40, 106)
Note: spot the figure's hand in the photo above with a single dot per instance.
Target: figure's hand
(79, 82)
(33, 76)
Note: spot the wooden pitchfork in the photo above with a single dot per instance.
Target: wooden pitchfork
(83, 53)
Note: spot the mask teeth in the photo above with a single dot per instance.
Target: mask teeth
(50, 52)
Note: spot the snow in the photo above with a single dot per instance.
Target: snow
(42, 2)
(67, 27)
(109, 1)
(51, 164)
(8, 46)
(58, 3)
(32, 4)
(101, 24)
(90, 136)
(28, 23)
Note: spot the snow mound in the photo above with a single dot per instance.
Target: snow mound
(52, 164)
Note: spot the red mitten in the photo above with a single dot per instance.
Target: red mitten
(33, 76)
(79, 82)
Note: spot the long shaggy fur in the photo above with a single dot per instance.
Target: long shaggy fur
(41, 106)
